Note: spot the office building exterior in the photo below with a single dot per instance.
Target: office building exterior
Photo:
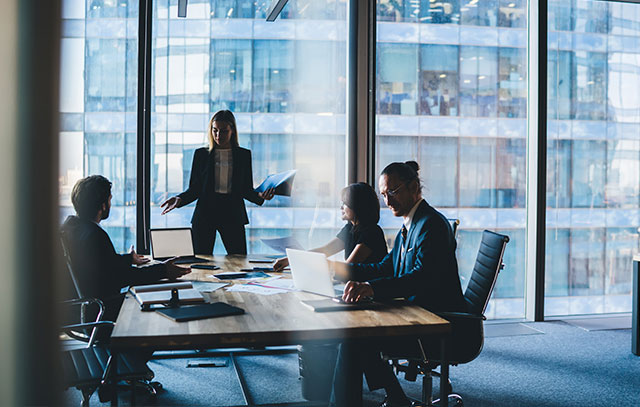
(451, 93)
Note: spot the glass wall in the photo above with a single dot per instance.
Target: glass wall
(593, 158)
(224, 55)
(98, 102)
(451, 94)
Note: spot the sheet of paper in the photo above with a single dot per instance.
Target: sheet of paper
(285, 284)
(207, 286)
(255, 289)
(280, 244)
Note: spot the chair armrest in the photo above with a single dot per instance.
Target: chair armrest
(461, 315)
(88, 325)
(77, 301)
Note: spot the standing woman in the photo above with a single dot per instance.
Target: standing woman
(221, 179)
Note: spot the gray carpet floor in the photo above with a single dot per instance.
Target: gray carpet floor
(560, 365)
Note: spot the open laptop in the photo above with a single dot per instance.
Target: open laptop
(310, 272)
(173, 242)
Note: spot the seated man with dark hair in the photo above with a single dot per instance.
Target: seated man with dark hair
(99, 271)
(421, 268)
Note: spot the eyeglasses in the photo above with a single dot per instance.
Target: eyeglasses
(392, 193)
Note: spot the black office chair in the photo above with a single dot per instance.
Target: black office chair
(88, 367)
(467, 338)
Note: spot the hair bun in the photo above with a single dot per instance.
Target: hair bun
(414, 165)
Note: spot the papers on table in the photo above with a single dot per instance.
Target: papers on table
(282, 182)
(280, 244)
(266, 286)
(207, 286)
(256, 289)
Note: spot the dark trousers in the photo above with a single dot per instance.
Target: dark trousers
(233, 237)
(358, 357)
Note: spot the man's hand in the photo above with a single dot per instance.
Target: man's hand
(280, 264)
(355, 291)
(174, 272)
(267, 194)
(170, 204)
(137, 259)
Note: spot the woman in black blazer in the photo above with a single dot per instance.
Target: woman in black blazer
(221, 179)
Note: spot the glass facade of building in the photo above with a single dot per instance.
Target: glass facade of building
(593, 156)
(451, 93)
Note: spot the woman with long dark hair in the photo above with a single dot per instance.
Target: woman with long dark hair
(361, 238)
(221, 179)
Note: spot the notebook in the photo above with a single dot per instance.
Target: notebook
(191, 313)
(173, 242)
(161, 293)
(330, 304)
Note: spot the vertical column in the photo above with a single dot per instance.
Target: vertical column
(361, 58)
(143, 202)
(537, 159)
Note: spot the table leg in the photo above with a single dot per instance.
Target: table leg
(444, 374)
(112, 380)
(243, 384)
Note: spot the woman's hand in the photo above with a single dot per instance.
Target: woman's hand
(170, 204)
(267, 194)
(280, 264)
(136, 258)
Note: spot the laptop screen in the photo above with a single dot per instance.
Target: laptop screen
(167, 243)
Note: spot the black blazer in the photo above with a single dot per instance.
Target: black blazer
(99, 271)
(428, 276)
(209, 210)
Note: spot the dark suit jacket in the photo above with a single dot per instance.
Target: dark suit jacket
(429, 274)
(208, 211)
(99, 271)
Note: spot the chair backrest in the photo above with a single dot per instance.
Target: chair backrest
(67, 259)
(485, 271)
(454, 226)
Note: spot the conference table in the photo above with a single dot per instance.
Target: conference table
(269, 320)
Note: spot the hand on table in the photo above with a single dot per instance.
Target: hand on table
(280, 264)
(355, 291)
(173, 271)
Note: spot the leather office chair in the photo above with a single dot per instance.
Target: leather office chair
(467, 338)
(88, 368)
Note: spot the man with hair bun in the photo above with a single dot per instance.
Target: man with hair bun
(421, 267)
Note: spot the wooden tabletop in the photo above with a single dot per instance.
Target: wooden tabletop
(269, 320)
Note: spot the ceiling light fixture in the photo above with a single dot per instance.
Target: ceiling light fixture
(275, 8)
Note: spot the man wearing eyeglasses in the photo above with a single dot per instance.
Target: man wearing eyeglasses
(422, 268)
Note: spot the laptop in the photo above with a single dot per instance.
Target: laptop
(173, 242)
(310, 272)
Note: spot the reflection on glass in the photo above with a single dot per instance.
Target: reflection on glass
(593, 192)
(459, 110)
(287, 92)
